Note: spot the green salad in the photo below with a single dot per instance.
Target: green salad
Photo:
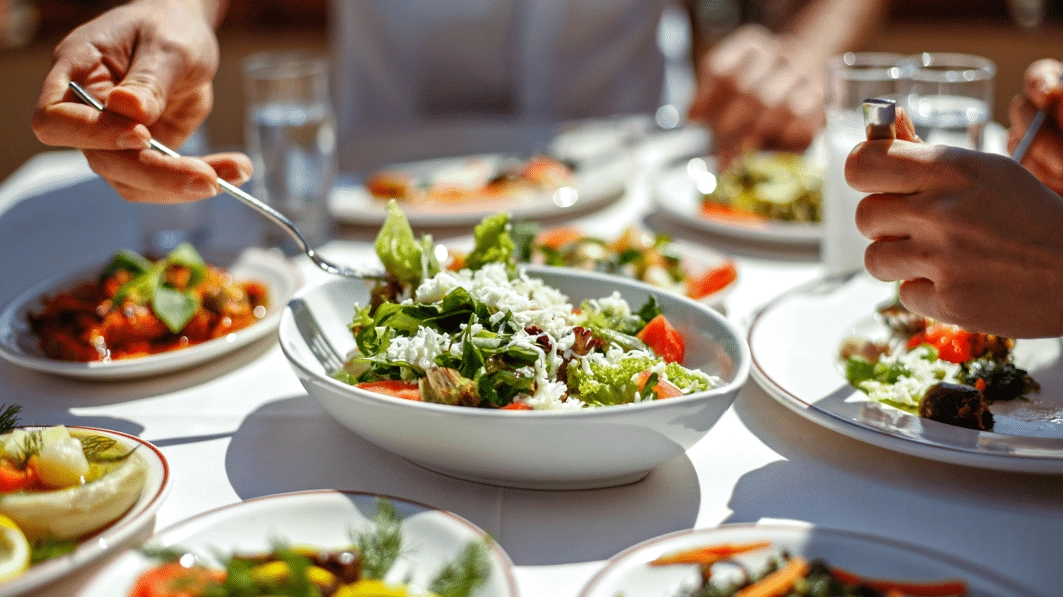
(491, 336)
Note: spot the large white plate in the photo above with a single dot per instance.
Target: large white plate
(325, 518)
(19, 344)
(629, 574)
(794, 342)
(140, 516)
(596, 184)
(677, 196)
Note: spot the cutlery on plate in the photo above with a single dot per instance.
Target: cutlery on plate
(259, 206)
(1031, 131)
(311, 332)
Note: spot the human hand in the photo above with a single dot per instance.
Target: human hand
(1041, 90)
(973, 236)
(150, 63)
(757, 91)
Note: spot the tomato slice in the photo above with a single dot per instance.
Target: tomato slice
(663, 339)
(663, 389)
(13, 479)
(555, 238)
(952, 343)
(407, 390)
(174, 580)
(712, 280)
(516, 406)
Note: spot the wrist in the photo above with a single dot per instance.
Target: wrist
(211, 11)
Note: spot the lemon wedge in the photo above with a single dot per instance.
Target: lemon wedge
(14, 550)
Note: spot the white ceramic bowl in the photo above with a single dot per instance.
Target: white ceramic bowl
(594, 447)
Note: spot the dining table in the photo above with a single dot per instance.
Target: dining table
(242, 426)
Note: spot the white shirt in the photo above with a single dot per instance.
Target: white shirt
(421, 78)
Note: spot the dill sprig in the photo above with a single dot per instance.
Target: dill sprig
(462, 576)
(9, 417)
(95, 445)
(380, 547)
(31, 446)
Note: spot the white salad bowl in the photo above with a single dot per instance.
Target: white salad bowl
(580, 449)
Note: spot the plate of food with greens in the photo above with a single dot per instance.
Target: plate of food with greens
(764, 196)
(134, 316)
(69, 495)
(320, 543)
(585, 377)
(775, 560)
(845, 353)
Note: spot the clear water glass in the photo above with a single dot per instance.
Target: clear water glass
(851, 78)
(951, 98)
(291, 138)
(166, 225)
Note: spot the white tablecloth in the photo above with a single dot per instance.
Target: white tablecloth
(242, 427)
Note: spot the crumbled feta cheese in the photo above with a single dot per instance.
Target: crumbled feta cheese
(419, 350)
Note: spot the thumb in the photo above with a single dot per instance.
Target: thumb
(142, 93)
(905, 127)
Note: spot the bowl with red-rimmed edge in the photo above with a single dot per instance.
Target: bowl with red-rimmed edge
(561, 450)
(322, 518)
(135, 523)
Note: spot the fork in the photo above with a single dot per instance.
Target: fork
(314, 337)
(259, 206)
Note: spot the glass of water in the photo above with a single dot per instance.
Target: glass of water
(951, 98)
(291, 137)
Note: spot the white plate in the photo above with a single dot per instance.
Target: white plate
(19, 345)
(629, 574)
(794, 342)
(677, 197)
(595, 185)
(325, 518)
(140, 516)
(577, 449)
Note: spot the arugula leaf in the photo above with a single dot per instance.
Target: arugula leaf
(493, 242)
(646, 393)
(398, 249)
(465, 574)
(380, 547)
(523, 234)
(127, 260)
(173, 307)
(50, 547)
(649, 310)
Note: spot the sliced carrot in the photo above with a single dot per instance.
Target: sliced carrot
(663, 339)
(407, 390)
(777, 583)
(555, 238)
(712, 280)
(663, 389)
(944, 588)
(708, 555)
(516, 406)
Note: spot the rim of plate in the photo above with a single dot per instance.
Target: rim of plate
(898, 443)
(789, 233)
(152, 364)
(101, 542)
(976, 569)
(507, 563)
(741, 373)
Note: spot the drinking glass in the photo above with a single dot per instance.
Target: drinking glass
(851, 78)
(291, 137)
(164, 226)
(951, 98)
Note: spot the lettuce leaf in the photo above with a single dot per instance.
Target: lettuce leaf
(403, 256)
(493, 242)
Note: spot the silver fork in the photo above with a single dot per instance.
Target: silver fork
(311, 332)
(274, 215)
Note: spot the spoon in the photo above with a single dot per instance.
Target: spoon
(259, 206)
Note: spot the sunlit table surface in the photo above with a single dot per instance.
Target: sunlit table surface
(242, 426)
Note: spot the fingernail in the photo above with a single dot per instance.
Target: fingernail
(132, 140)
(202, 187)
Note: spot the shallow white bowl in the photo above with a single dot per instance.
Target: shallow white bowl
(322, 518)
(594, 447)
(136, 520)
(19, 345)
(629, 572)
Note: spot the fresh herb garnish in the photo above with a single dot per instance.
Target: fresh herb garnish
(462, 576)
(9, 417)
(173, 305)
(493, 242)
(380, 546)
(403, 257)
(50, 547)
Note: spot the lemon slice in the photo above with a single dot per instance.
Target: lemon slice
(14, 550)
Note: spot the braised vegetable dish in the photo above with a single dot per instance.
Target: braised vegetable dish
(473, 179)
(767, 185)
(137, 307)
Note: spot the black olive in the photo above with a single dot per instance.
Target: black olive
(954, 404)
